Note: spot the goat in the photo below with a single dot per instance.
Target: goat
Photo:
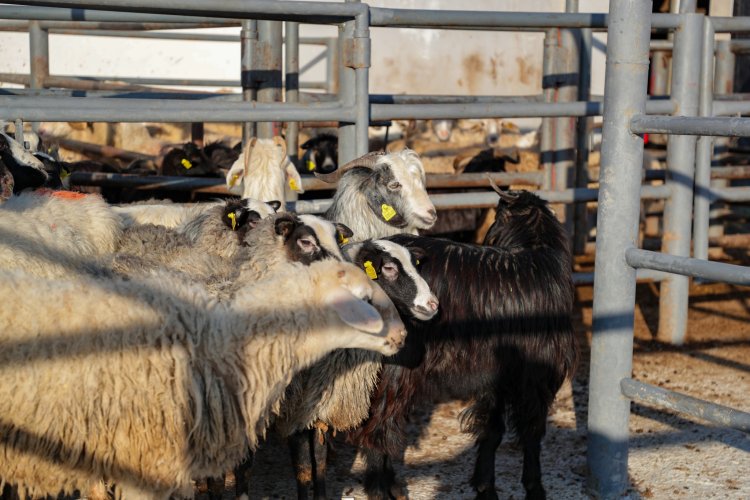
(28, 172)
(381, 194)
(188, 160)
(321, 154)
(503, 337)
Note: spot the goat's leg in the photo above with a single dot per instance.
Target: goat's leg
(380, 478)
(215, 487)
(242, 475)
(319, 445)
(531, 429)
(490, 438)
(299, 448)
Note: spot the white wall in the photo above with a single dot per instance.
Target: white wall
(404, 60)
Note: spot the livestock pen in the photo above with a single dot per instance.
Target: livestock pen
(696, 105)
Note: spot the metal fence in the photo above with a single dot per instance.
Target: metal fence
(695, 105)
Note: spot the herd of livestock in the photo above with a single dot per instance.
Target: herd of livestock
(147, 348)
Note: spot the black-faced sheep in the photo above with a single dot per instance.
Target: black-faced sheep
(188, 160)
(263, 170)
(28, 172)
(321, 154)
(381, 194)
(150, 383)
(221, 155)
(334, 394)
(503, 337)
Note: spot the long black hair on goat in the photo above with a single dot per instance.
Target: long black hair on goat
(503, 337)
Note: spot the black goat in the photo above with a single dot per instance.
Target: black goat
(221, 155)
(188, 160)
(27, 171)
(321, 155)
(502, 337)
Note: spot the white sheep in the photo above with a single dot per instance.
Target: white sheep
(381, 194)
(149, 383)
(50, 234)
(263, 170)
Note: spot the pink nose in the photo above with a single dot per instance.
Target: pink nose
(433, 304)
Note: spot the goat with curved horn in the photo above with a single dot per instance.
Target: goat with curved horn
(505, 195)
(368, 161)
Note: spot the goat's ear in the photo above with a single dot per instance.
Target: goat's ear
(234, 215)
(351, 251)
(418, 253)
(354, 312)
(292, 177)
(275, 204)
(285, 224)
(309, 143)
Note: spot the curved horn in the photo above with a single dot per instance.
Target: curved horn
(279, 141)
(368, 161)
(504, 195)
(248, 151)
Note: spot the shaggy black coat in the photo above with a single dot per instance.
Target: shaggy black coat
(502, 337)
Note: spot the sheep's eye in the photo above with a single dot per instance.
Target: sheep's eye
(307, 245)
(389, 270)
(394, 186)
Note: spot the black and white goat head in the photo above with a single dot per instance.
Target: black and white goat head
(381, 194)
(308, 238)
(321, 154)
(27, 170)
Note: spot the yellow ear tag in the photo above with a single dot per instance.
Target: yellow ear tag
(64, 174)
(233, 217)
(343, 240)
(417, 261)
(370, 271)
(388, 212)
(186, 163)
(234, 180)
(310, 165)
(293, 184)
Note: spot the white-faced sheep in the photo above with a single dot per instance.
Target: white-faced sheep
(50, 234)
(381, 194)
(335, 392)
(262, 171)
(172, 386)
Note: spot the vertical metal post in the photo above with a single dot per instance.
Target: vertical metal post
(704, 149)
(248, 40)
(347, 92)
(196, 133)
(617, 230)
(686, 67)
(547, 139)
(19, 132)
(582, 143)
(332, 65)
(291, 64)
(268, 64)
(723, 84)
(566, 68)
(39, 52)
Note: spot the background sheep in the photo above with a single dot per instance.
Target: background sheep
(50, 234)
(321, 154)
(263, 170)
(381, 194)
(27, 171)
(334, 394)
(174, 385)
(188, 160)
(503, 337)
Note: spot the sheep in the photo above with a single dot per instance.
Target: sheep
(188, 160)
(381, 195)
(335, 392)
(173, 215)
(50, 234)
(263, 169)
(503, 337)
(174, 385)
(221, 155)
(27, 170)
(321, 154)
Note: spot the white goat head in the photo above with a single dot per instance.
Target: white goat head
(395, 188)
(263, 169)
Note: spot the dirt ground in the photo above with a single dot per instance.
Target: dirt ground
(670, 456)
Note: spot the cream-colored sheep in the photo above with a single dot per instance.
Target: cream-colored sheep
(149, 383)
(263, 170)
(54, 233)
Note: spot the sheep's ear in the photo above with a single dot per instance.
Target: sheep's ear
(353, 311)
(293, 178)
(309, 143)
(285, 224)
(418, 253)
(351, 251)
(236, 174)
(275, 204)
(234, 215)
(344, 230)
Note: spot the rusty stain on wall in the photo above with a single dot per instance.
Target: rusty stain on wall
(473, 66)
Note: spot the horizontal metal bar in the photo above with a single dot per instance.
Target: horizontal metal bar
(697, 268)
(728, 108)
(681, 125)
(682, 403)
(736, 194)
(183, 82)
(202, 37)
(731, 24)
(171, 111)
(500, 110)
(76, 13)
(729, 172)
(640, 275)
(133, 27)
(450, 99)
(306, 12)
